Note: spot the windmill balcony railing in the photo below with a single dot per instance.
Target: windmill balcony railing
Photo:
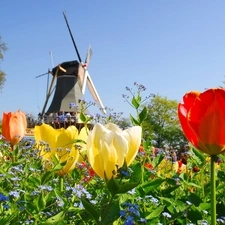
(66, 121)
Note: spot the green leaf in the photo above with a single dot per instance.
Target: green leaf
(111, 214)
(34, 180)
(180, 206)
(143, 114)
(136, 174)
(40, 202)
(190, 184)
(127, 187)
(195, 199)
(173, 203)
(90, 209)
(138, 98)
(31, 209)
(74, 209)
(157, 160)
(55, 220)
(134, 121)
(221, 175)
(59, 166)
(194, 214)
(221, 186)
(171, 181)
(15, 151)
(205, 206)
(170, 189)
(155, 213)
(78, 141)
(135, 103)
(198, 156)
(47, 176)
(112, 186)
(147, 144)
(55, 160)
(151, 185)
(83, 118)
(7, 219)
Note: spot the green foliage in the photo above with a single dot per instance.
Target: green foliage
(147, 194)
(162, 124)
(3, 48)
(90, 209)
(158, 117)
(123, 123)
(137, 103)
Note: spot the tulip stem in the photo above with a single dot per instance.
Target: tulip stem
(213, 190)
(14, 157)
(61, 182)
(107, 208)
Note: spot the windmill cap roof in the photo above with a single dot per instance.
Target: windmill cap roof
(71, 68)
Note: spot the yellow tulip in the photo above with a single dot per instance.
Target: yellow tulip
(59, 143)
(108, 147)
(14, 126)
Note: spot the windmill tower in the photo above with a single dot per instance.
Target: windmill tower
(71, 79)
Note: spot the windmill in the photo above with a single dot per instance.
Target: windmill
(71, 79)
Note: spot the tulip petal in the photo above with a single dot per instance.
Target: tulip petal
(183, 110)
(14, 126)
(96, 161)
(64, 141)
(5, 125)
(82, 136)
(97, 133)
(133, 137)
(190, 98)
(46, 133)
(108, 146)
(188, 132)
(121, 145)
(110, 159)
(96, 155)
(17, 125)
(49, 135)
(113, 127)
(207, 119)
(71, 162)
(61, 143)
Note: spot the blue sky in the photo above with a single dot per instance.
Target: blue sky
(170, 46)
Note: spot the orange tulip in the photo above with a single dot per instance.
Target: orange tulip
(202, 118)
(14, 126)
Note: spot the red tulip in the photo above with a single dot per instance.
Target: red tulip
(148, 166)
(195, 169)
(202, 118)
(14, 126)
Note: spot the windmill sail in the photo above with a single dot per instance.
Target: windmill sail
(71, 78)
(83, 74)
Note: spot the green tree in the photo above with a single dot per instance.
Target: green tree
(124, 123)
(162, 123)
(3, 48)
